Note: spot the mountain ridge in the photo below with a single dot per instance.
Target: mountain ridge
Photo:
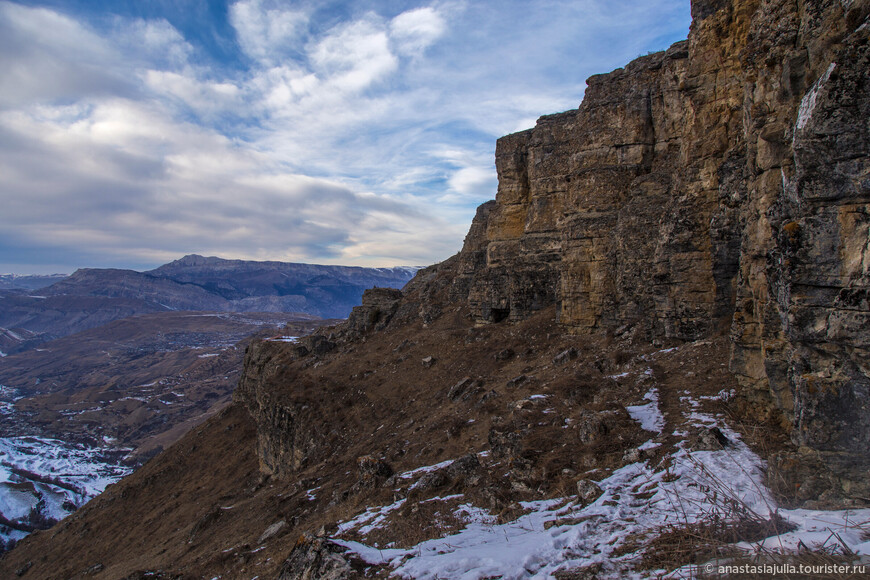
(94, 296)
(668, 295)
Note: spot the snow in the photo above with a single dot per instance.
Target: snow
(50, 476)
(808, 103)
(283, 339)
(637, 501)
(13, 334)
(372, 518)
(692, 489)
(820, 528)
(425, 469)
(649, 416)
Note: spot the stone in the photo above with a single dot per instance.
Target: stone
(313, 557)
(460, 388)
(372, 471)
(464, 467)
(517, 381)
(710, 439)
(588, 491)
(505, 354)
(428, 361)
(565, 356)
(272, 531)
(377, 309)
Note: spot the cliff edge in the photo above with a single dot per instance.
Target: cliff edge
(671, 282)
(719, 186)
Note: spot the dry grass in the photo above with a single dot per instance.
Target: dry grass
(416, 523)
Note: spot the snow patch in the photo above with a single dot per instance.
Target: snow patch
(425, 469)
(649, 416)
(283, 339)
(538, 544)
(50, 478)
(808, 103)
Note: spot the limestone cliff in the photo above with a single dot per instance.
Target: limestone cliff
(721, 184)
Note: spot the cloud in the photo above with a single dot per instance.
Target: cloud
(343, 133)
(45, 55)
(120, 179)
(415, 30)
(267, 34)
(354, 56)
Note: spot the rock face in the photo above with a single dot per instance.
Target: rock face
(721, 184)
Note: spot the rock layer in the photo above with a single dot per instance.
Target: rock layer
(721, 184)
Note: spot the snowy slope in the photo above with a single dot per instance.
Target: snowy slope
(43, 480)
(608, 536)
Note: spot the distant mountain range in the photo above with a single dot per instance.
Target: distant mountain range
(93, 297)
(35, 282)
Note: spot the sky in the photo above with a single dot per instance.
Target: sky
(133, 132)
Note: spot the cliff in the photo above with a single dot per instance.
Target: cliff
(718, 187)
(671, 281)
(721, 185)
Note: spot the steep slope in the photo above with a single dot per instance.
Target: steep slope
(82, 411)
(720, 184)
(668, 287)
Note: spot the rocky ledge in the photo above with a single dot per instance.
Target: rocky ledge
(721, 186)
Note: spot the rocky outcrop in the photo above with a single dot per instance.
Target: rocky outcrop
(377, 308)
(316, 558)
(283, 435)
(719, 185)
(723, 182)
(801, 317)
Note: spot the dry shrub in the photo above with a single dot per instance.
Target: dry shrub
(679, 545)
(728, 520)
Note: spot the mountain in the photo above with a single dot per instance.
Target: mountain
(93, 297)
(649, 358)
(35, 282)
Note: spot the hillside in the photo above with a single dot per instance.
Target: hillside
(82, 411)
(649, 358)
(35, 282)
(93, 297)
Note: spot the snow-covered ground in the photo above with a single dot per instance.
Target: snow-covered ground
(636, 503)
(44, 480)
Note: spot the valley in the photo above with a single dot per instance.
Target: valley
(79, 413)
(649, 359)
(103, 369)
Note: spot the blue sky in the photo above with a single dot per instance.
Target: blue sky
(362, 133)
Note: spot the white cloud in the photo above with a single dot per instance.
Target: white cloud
(354, 56)
(47, 56)
(203, 96)
(415, 30)
(155, 42)
(342, 136)
(267, 34)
